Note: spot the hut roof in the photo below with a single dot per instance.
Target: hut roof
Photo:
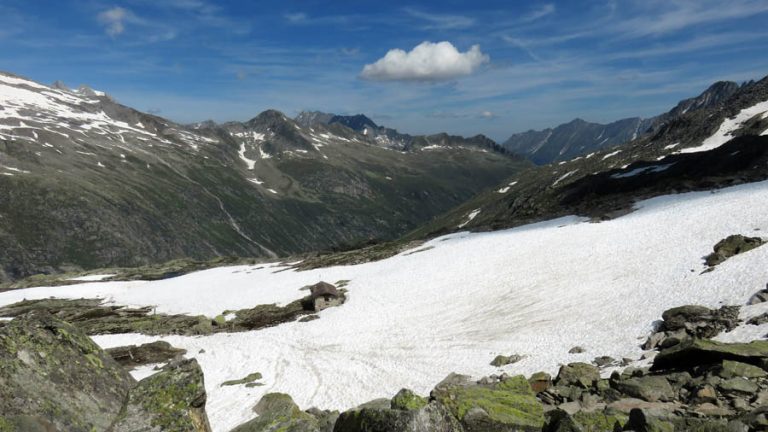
(322, 289)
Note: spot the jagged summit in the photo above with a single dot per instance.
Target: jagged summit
(580, 137)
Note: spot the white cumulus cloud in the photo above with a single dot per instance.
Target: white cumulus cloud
(113, 19)
(428, 61)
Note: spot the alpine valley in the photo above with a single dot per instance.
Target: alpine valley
(329, 274)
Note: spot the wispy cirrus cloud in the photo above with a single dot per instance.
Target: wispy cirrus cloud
(435, 21)
(540, 12)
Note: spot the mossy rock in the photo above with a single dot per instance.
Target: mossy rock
(170, 400)
(408, 400)
(507, 405)
(599, 421)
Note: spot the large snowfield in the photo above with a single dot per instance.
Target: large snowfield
(456, 302)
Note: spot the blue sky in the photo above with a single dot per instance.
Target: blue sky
(507, 66)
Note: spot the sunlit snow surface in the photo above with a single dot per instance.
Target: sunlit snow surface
(536, 290)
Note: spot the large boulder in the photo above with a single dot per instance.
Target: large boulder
(731, 246)
(54, 378)
(171, 400)
(578, 374)
(691, 321)
(504, 406)
(279, 413)
(697, 352)
(648, 388)
(432, 417)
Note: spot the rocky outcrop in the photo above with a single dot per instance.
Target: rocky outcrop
(731, 246)
(685, 322)
(150, 353)
(95, 317)
(170, 400)
(53, 378)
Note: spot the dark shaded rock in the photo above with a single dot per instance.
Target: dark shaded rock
(53, 377)
(149, 353)
(758, 320)
(759, 297)
(171, 400)
(502, 360)
(578, 374)
(640, 421)
(576, 350)
(508, 405)
(706, 352)
(732, 246)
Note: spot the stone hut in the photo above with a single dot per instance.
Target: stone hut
(325, 295)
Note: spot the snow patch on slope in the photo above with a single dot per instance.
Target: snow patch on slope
(725, 131)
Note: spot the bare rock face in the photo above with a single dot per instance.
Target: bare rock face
(53, 377)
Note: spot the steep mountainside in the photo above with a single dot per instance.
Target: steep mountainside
(579, 137)
(721, 145)
(87, 182)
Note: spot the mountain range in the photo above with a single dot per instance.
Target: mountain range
(580, 137)
(87, 182)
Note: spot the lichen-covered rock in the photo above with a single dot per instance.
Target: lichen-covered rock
(53, 377)
(279, 413)
(733, 369)
(508, 405)
(578, 374)
(705, 352)
(150, 353)
(172, 400)
(731, 246)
